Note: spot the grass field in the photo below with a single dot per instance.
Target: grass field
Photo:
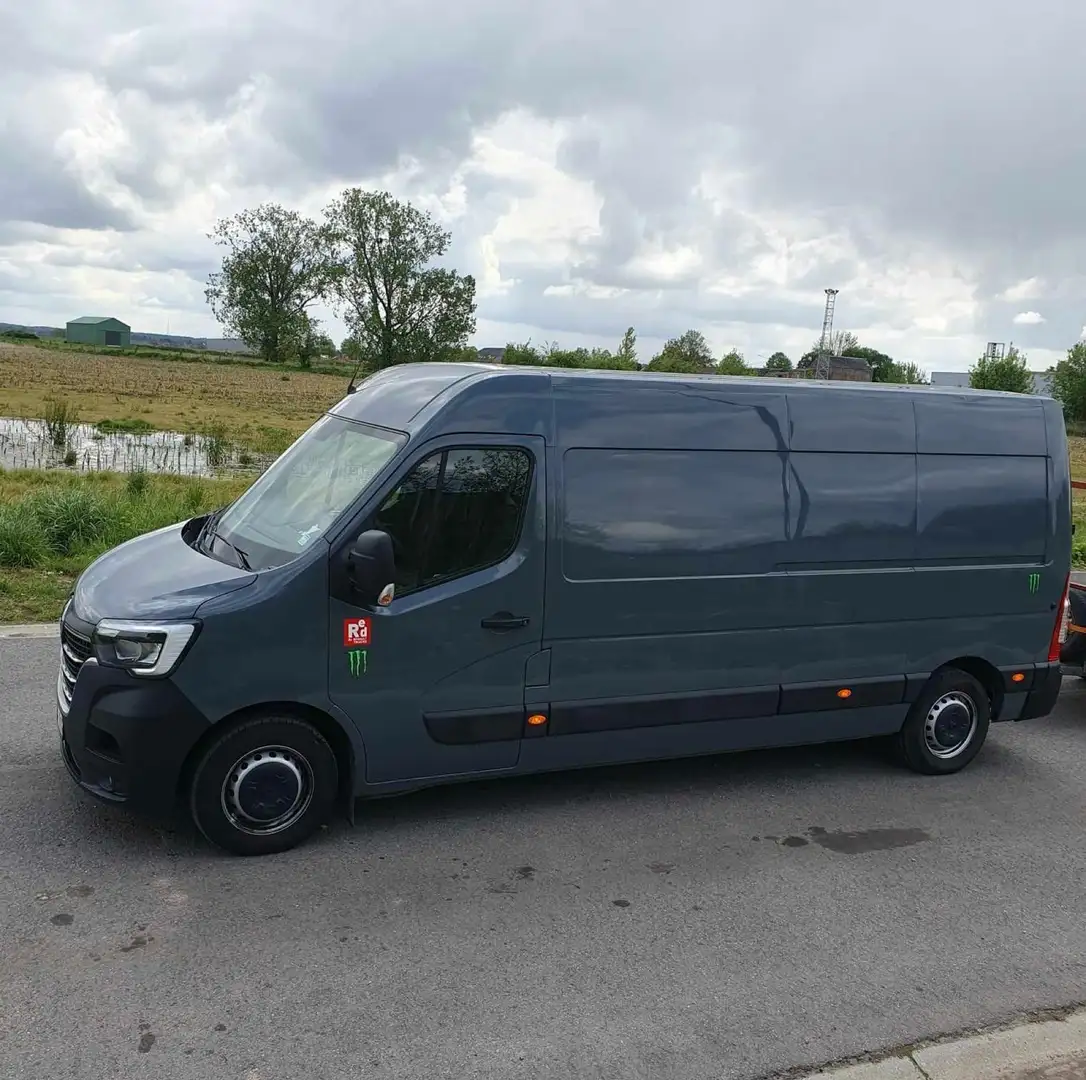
(162, 352)
(259, 406)
(52, 525)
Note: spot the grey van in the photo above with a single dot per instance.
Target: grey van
(474, 571)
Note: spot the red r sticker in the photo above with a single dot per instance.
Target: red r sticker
(356, 633)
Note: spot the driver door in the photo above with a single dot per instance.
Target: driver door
(435, 680)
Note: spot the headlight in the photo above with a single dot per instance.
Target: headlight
(143, 648)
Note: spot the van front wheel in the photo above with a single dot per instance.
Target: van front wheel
(947, 724)
(265, 786)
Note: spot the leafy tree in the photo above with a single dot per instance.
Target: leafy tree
(1069, 382)
(778, 362)
(841, 341)
(626, 356)
(688, 354)
(606, 360)
(399, 306)
(525, 354)
(883, 367)
(566, 358)
(733, 363)
(277, 264)
(310, 342)
(1009, 373)
(906, 372)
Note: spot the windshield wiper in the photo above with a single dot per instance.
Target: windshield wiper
(207, 530)
(243, 559)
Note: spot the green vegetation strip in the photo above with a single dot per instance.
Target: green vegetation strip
(53, 525)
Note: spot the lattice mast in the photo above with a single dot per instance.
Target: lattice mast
(822, 361)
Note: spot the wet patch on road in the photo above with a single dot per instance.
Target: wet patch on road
(861, 841)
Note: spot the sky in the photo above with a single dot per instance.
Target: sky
(599, 163)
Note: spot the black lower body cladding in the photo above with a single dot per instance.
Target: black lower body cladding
(126, 739)
(1041, 699)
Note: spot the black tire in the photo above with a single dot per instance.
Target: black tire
(265, 786)
(947, 724)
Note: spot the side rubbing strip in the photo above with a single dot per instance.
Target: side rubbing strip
(827, 697)
(579, 717)
(464, 728)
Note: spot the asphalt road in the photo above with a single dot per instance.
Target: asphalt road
(720, 918)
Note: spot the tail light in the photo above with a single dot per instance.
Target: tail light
(1059, 631)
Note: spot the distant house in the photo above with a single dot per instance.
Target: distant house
(491, 355)
(1042, 381)
(98, 330)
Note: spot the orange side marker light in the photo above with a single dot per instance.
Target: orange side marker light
(536, 719)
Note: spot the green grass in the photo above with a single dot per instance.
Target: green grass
(53, 525)
(124, 426)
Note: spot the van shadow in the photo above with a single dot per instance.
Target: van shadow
(834, 768)
(735, 774)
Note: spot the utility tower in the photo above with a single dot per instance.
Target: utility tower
(822, 361)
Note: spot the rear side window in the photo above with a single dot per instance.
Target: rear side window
(457, 511)
(672, 513)
(975, 507)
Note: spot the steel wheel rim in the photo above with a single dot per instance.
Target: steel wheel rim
(951, 725)
(267, 790)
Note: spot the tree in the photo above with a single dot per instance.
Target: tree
(906, 372)
(883, 367)
(398, 306)
(733, 363)
(1008, 373)
(778, 362)
(688, 354)
(524, 354)
(627, 351)
(1069, 382)
(841, 341)
(277, 264)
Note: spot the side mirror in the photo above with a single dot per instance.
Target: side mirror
(371, 564)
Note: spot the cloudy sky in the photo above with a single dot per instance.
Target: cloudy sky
(600, 163)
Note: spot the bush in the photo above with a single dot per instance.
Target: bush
(136, 483)
(23, 542)
(71, 518)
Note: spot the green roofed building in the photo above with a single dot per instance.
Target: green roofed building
(98, 330)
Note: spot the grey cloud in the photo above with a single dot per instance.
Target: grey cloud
(939, 124)
(35, 187)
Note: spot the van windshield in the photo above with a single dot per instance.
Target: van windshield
(300, 495)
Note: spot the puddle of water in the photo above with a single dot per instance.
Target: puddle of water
(26, 444)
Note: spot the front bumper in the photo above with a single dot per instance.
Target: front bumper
(126, 739)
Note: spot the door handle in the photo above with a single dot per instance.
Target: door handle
(504, 620)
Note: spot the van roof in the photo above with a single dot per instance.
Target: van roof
(399, 394)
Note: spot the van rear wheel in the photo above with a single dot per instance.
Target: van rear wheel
(947, 724)
(265, 786)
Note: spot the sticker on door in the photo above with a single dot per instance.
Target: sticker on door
(356, 632)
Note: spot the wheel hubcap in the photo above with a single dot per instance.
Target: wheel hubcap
(951, 725)
(267, 790)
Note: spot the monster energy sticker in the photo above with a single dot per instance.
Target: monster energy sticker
(1034, 582)
(358, 661)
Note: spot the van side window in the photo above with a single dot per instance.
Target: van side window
(457, 511)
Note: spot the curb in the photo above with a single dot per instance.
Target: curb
(1027, 1051)
(29, 630)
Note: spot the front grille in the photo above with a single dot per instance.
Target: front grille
(75, 649)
